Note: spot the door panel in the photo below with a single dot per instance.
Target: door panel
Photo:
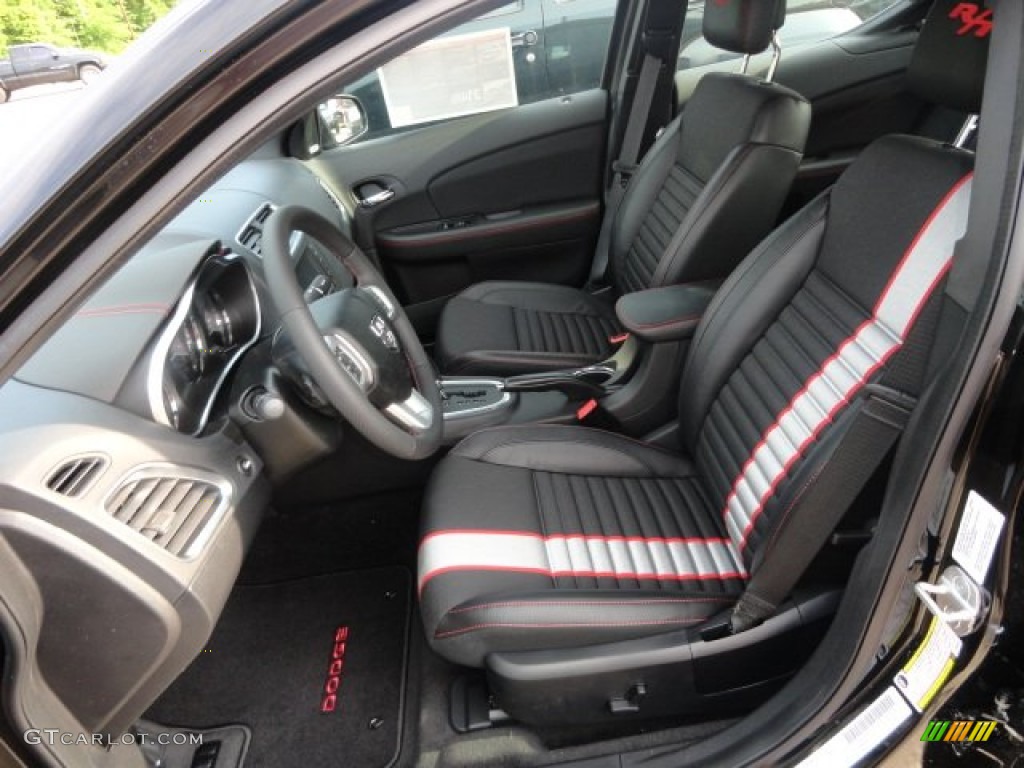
(547, 243)
(503, 195)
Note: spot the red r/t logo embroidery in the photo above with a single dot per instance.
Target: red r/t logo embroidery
(972, 18)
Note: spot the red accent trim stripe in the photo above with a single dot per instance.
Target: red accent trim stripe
(724, 576)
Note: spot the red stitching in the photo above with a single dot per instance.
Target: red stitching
(484, 229)
(676, 577)
(574, 603)
(785, 515)
(516, 625)
(670, 321)
(591, 536)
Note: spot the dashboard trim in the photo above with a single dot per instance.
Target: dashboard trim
(158, 358)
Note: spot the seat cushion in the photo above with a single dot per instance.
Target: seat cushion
(506, 328)
(586, 537)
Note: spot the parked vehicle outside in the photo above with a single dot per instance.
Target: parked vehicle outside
(40, 64)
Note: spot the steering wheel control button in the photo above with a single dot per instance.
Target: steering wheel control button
(380, 328)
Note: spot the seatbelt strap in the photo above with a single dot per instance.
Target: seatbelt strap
(876, 427)
(629, 154)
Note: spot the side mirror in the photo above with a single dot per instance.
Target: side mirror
(343, 120)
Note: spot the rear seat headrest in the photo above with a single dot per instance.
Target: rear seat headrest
(948, 63)
(742, 26)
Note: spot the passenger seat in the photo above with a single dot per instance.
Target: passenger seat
(710, 188)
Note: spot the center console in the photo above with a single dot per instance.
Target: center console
(635, 389)
(473, 403)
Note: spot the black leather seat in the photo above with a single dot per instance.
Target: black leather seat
(705, 194)
(544, 537)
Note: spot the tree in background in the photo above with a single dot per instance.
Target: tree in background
(30, 20)
(105, 25)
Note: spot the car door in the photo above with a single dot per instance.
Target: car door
(45, 65)
(484, 154)
(850, 60)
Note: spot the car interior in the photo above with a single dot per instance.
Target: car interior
(503, 439)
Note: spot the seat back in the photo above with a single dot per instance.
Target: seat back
(712, 185)
(847, 294)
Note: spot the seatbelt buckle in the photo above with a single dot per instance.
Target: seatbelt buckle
(591, 414)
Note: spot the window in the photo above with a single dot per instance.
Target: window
(40, 53)
(519, 53)
(807, 22)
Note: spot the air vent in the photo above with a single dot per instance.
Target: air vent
(75, 476)
(251, 234)
(172, 512)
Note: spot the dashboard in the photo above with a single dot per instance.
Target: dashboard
(186, 308)
(125, 468)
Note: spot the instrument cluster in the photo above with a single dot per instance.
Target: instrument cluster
(214, 322)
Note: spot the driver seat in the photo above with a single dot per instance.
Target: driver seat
(544, 537)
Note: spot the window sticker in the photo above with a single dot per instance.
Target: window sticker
(450, 77)
(977, 537)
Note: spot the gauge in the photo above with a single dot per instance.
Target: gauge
(216, 321)
(187, 353)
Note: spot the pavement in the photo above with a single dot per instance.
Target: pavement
(29, 116)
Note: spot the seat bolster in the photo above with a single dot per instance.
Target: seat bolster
(572, 450)
(510, 622)
(644, 188)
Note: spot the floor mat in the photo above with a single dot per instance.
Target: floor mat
(370, 532)
(315, 667)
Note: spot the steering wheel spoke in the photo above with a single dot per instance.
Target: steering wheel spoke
(351, 359)
(414, 412)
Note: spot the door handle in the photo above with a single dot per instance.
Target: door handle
(524, 39)
(377, 198)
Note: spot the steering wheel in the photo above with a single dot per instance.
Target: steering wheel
(357, 344)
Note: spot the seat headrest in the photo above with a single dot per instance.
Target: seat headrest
(948, 63)
(742, 26)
